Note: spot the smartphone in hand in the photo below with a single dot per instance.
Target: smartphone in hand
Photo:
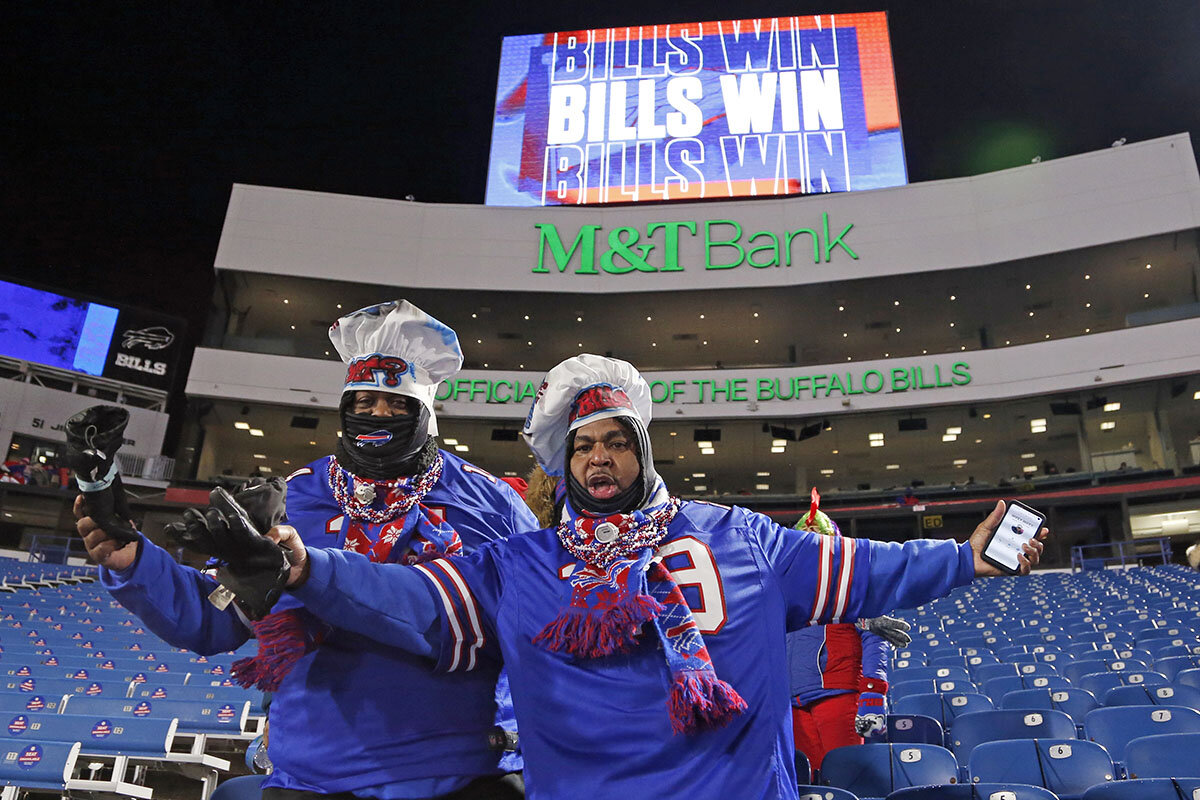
(1020, 524)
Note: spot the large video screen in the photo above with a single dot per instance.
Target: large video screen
(54, 330)
(125, 344)
(776, 106)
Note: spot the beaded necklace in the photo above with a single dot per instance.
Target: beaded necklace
(599, 541)
(406, 491)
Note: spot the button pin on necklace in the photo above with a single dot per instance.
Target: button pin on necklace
(364, 492)
(606, 532)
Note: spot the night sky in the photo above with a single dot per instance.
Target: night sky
(125, 123)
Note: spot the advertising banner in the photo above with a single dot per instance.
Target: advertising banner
(70, 332)
(775, 106)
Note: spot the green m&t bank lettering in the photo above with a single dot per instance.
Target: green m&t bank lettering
(592, 250)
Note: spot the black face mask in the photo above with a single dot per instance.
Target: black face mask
(382, 448)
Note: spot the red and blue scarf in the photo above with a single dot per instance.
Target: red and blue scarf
(619, 588)
(416, 532)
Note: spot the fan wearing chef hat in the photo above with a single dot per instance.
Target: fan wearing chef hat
(349, 716)
(643, 634)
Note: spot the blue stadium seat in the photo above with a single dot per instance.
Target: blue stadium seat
(992, 726)
(148, 738)
(1115, 727)
(1067, 767)
(40, 765)
(876, 770)
(1173, 665)
(900, 689)
(1146, 789)
(944, 708)
(1172, 755)
(1188, 677)
(1159, 647)
(1075, 703)
(974, 791)
(18, 702)
(61, 686)
(998, 687)
(905, 663)
(803, 767)
(1127, 679)
(909, 729)
(1153, 696)
(930, 673)
(213, 719)
(1084, 666)
(821, 793)
(990, 671)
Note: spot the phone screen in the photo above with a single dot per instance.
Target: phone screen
(1020, 524)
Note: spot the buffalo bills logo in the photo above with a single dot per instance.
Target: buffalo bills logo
(600, 397)
(19, 724)
(80, 675)
(76, 635)
(218, 670)
(201, 660)
(162, 668)
(22, 671)
(51, 662)
(376, 370)
(27, 685)
(226, 713)
(30, 757)
(373, 439)
(108, 665)
(135, 647)
(93, 689)
(142, 709)
(158, 694)
(102, 729)
(57, 627)
(226, 682)
(149, 657)
(138, 678)
(36, 703)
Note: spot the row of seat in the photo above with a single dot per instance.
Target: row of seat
(1144, 789)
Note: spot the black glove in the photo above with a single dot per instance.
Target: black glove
(890, 629)
(255, 569)
(93, 437)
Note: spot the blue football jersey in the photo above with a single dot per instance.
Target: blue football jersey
(600, 727)
(355, 714)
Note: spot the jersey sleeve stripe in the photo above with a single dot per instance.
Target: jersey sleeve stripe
(451, 615)
(845, 577)
(825, 558)
(468, 603)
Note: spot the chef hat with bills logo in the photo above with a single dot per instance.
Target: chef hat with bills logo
(579, 391)
(396, 347)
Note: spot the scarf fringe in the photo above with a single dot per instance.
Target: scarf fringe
(702, 701)
(584, 634)
(283, 639)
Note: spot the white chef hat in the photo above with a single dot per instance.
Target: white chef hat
(396, 347)
(582, 389)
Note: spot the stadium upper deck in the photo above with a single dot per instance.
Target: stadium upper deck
(979, 305)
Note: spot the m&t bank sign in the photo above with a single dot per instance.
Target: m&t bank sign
(669, 247)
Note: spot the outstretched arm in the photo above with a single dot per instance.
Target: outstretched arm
(389, 603)
(171, 599)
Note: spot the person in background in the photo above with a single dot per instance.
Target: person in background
(838, 671)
